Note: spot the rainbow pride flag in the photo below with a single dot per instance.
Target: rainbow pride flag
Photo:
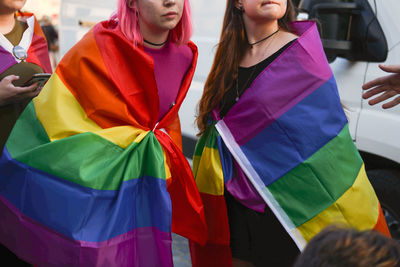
(88, 176)
(289, 135)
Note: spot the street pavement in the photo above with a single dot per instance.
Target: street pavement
(180, 251)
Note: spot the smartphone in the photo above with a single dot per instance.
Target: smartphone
(40, 78)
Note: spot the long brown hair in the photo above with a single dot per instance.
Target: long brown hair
(230, 50)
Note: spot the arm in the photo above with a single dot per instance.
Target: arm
(11, 94)
(388, 85)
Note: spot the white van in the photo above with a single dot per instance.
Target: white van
(78, 16)
(357, 35)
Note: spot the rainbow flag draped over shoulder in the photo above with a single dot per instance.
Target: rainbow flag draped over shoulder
(33, 41)
(289, 135)
(88, 177)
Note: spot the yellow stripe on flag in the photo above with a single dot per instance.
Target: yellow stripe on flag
(209, 177)
(358, 207)
(62, 116)
(167, 169)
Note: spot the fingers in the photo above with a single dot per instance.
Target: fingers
(392, 103)
(374, 91)
(386, 79)
(10, 78)
(29, 88)
(28, 92)
(376, 82)
(390, 68)
(382, 97)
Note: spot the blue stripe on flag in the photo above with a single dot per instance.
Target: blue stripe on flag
(83, 213)
(226, 159)
(297, 134)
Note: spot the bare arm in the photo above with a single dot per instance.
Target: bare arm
(388, 85)
(12, 94)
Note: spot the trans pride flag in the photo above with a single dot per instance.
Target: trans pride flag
(288, 138)
(88, 176)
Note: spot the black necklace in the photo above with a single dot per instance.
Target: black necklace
(240, 91)
(150, 43)
(246, 85)
(272, 34)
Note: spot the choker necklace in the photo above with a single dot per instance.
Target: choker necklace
(251, 44)
(150, 43)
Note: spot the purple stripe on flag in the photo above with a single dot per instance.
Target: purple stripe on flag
(296, 73)
(7, 60)
(42, 246)
(244, 192)
(297, 134)
(236, 182)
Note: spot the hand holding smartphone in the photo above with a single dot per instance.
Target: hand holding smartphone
(40, 78)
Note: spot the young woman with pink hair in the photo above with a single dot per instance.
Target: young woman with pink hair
(111, 182)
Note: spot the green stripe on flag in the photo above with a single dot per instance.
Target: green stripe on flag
(319, 181)
(86, 159)
(27, 123)
(208, 139)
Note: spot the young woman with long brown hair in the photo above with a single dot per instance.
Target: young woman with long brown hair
(273, 138)
(234, 48)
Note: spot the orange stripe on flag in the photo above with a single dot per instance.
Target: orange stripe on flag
(100, 98)
(381, 225)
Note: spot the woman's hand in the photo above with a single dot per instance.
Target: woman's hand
(388, 85)
(12, 94)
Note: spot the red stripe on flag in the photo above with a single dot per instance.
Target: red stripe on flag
(187, 209)
(210, 255)
(217, 250)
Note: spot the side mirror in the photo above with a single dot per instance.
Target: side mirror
(348, 29)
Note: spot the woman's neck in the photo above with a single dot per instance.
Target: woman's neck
(153, 36)
(7, 23)
(256, 31)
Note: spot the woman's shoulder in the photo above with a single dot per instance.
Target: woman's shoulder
(182, 50)
(282, 42)
(287, 37)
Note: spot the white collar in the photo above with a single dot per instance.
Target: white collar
(25, 41)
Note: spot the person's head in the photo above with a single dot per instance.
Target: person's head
(342, 247)
(158, 16)
(233, 44)
(281, 11)
(46, 19)
(11, 6)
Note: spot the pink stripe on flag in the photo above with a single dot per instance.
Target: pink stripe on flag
(300, 70)
(7, 60)
(42, 246)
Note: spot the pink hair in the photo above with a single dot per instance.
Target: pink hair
(129, 23)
